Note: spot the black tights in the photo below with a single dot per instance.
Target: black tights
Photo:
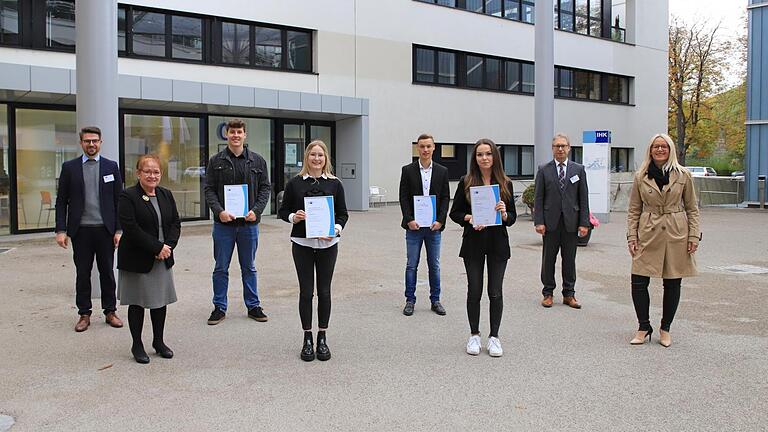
(642, 301)
(309, 262)
(496, 268)
(136, 322)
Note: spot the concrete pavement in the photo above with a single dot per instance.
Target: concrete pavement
(562, 369)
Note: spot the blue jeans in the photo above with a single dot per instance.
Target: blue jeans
(413, 241)
(225, 237)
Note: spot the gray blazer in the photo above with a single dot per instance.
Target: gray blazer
(572, 202)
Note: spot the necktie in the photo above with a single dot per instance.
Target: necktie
(562, 176)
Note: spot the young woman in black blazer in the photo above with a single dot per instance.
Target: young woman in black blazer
(312, 255)
(151, 230)
(480, 243)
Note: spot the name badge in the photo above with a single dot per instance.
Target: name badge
(109, 178)
(575, 178)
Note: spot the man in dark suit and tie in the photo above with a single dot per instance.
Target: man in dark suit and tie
(560, 214)
(423, 177)
(86, 212)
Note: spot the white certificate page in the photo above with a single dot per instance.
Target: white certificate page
(483, 200)
(236, 199)
(320, 220)
(425, 210)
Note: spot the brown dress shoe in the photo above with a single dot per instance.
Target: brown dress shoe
(547, 301)
(572, 302)
(112, 319)
(83, 323)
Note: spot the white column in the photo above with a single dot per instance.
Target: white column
(352, 160)
(96, 69)
(544, 99)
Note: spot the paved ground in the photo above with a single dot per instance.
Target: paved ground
(562, 369)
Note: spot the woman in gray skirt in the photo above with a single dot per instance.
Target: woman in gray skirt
(151, 230)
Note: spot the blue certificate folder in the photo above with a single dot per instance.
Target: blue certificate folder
(321, 217)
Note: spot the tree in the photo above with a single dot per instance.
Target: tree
(697, 63)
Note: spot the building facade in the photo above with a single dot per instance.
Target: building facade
(365, 76)
(756, 158)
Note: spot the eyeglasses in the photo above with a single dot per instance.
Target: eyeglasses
(559, 146)
(91, 141)
(659, 147)
(149, 173)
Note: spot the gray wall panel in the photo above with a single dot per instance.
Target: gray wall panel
(265, 98)
(187, 91)
(241, 96)
(156, 89)
(215, 94)
(289, 100)
(15, 77)
(311, 102)
(49, 80)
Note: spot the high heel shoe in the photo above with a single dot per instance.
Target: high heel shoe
(162, 350)
(139, 354)
(665, 339)
(640, 336)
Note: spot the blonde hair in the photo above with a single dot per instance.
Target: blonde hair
(327, 168)
(671, 165)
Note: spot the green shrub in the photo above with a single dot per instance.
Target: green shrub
(528, 195)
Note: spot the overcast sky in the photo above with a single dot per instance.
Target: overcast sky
(730, 12)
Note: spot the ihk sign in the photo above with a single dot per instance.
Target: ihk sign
(596, 156)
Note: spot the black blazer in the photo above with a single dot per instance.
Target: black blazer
(410, 185)
(493, 240)
(70, 197)
(550, 202)
(293, 200)
(139, 244)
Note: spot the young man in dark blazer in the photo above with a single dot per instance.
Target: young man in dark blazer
(86, 212)
(561, 215)
(423, 177)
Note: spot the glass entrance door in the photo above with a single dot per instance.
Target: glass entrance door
(293, 150)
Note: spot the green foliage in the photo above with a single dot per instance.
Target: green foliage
(528, 195)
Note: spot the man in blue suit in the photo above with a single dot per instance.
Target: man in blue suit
(86, 212)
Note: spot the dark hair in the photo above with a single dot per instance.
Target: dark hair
(144, 158)
(425, 136)
(91, 130)
(236, 124)
(475, 178)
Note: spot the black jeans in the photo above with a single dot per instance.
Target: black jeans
(496, 268)
(309, 261)
(642, 301)
(90, 241)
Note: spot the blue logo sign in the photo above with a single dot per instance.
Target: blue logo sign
(596, 137)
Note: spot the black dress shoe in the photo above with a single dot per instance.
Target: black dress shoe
(323, 353)
(408, 309)
(162, 349)
(438, 308)
(139, 354)
(307, 352)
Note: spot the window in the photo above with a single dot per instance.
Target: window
(474, 71)
(576, 154)
(529, 11)
(582, 16)
(579, 84)
(5, 178)
(60, 24)
(512, 76)
(176, 140)
(186, 38)
(618, 89)
(235, 43)
(299, 50)
(595, 18)
(493, 7)
(564, 10)
(148, 33)
(44, 140)
(9, 22)
(618, 20)
(474, 5)
(425, 65)
(528, 78)
(448, 151)
(512, 9)
(518, 160)
(269, 49)
(493, 74)
(121, 26)
(620, 159)
(566, 83)
(446, 63)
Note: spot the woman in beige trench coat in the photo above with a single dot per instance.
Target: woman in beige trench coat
(662, 233)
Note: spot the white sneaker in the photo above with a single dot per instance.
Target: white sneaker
(494, 347)
(473, 345)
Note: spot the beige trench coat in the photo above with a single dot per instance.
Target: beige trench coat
(663, 223)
